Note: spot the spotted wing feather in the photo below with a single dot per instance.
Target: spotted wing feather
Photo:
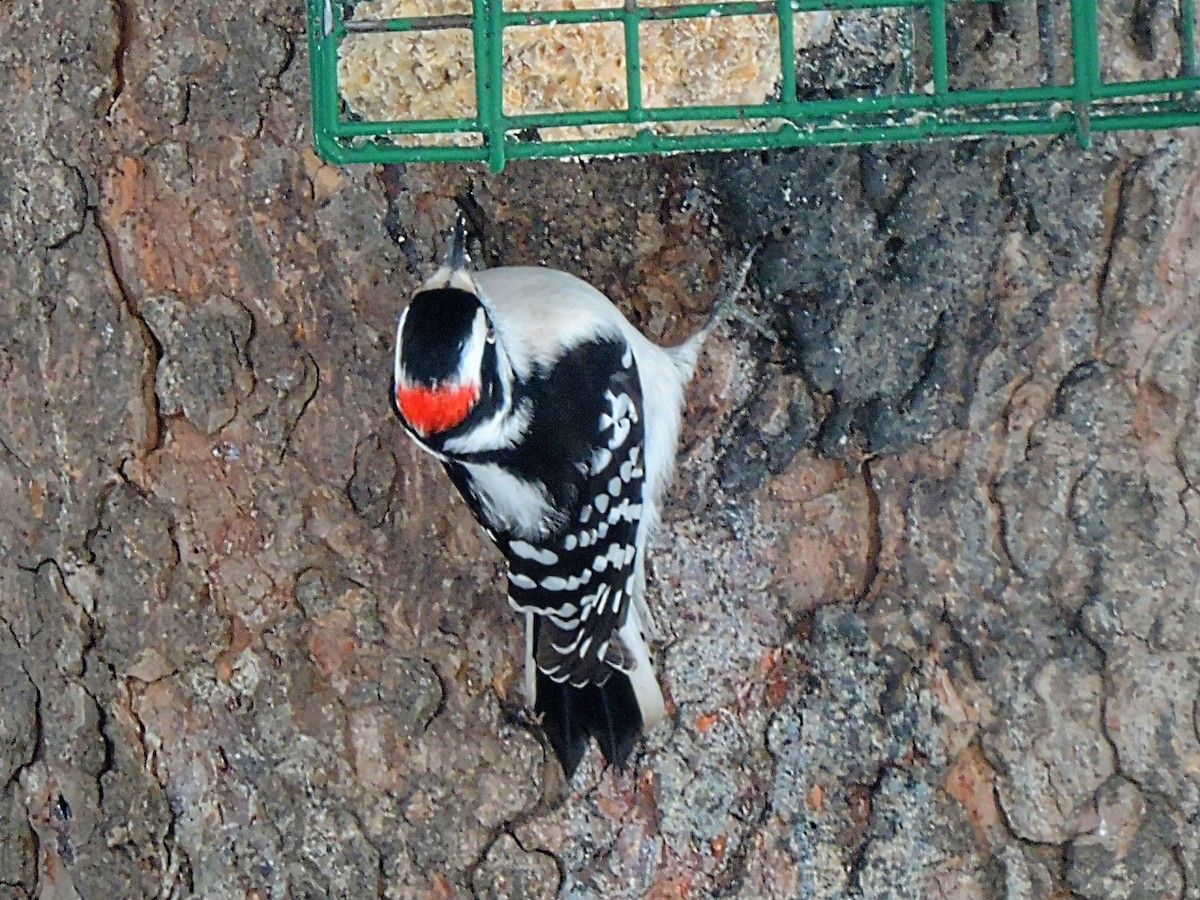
(582, 676)
(584, 449)
(582, 581)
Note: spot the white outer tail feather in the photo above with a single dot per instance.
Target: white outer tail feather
(641, 675)
(530, 663)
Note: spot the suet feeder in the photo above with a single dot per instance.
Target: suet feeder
(494, 80)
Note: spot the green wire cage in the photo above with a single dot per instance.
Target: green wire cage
(925, 68)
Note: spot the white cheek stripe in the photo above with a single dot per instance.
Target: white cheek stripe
(397, 362)
(503, 430)
(472, 357)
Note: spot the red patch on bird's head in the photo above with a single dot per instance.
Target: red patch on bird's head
(432, 410)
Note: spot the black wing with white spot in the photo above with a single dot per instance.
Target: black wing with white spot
(580, 463)
(580, 581)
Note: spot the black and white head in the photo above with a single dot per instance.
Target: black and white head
(448, 367)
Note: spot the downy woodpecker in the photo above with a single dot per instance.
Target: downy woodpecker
(557, 421)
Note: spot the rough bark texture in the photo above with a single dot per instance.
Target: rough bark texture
(927, 585)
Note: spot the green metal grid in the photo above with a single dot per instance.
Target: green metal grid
(1084, 104)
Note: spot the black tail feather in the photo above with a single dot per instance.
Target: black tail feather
(561, 722)
(613, 717)
(607, 712)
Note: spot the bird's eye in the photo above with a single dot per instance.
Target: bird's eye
(491, 334)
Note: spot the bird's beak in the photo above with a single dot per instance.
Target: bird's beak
(458, 259)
